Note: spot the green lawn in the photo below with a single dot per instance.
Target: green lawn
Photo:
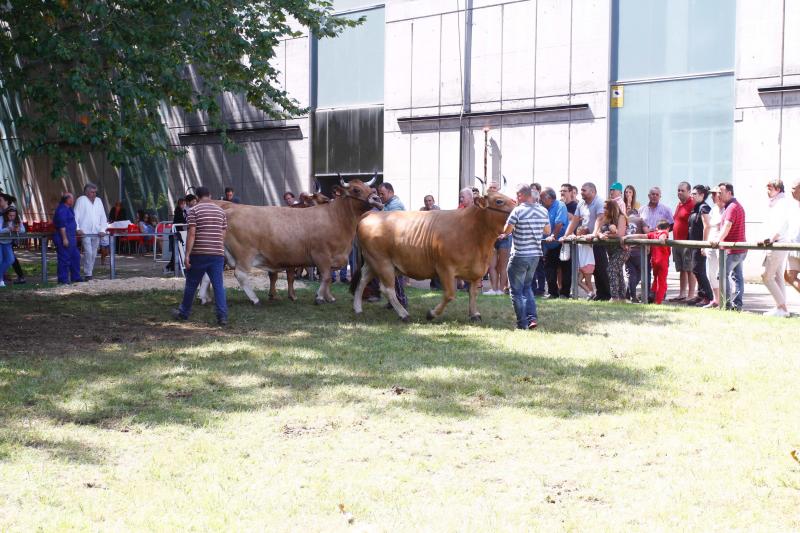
(608, 417)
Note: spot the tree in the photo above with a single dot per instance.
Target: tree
(91, 74)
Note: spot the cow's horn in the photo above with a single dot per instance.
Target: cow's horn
(317, 186)
(373, 180)
(342, 182)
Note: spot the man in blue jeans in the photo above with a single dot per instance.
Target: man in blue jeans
(732, 229)
(528, 223)
(207, 225)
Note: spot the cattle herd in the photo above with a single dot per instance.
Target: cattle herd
(418, 244)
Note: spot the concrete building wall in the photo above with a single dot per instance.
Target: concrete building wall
(524, 54)
(270, 160)
(766, 126)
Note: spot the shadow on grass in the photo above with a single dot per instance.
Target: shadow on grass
(287, 354)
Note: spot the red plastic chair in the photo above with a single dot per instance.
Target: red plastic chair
(138, 239)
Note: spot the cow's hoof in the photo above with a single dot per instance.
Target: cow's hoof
(271, 297)
(257, 303)
(475, 318)
(429, 315)
(319, 301)
(293, 298)
(405, 319)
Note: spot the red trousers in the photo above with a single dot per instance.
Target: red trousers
(660, 280)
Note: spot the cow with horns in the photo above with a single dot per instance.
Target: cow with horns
(424, 244)
(280, 238)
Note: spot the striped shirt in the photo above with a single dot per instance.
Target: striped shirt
(529, 221)
(209, 221)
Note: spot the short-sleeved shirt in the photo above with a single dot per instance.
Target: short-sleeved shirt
(210, 222)
(588, 213)
(394, 205)
(680, 230)
(652, 215)
(696, 227)
(557, 214)
(529, 221)
(659, 254)
(65, 218)
(572, 206)
(734, 213)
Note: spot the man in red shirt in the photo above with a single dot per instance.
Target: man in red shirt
(732, 230)
(205, 254)
(680, 232)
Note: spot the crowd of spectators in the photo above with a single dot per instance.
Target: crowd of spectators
(609, 269)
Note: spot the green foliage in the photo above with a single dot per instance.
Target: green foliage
(92, 75)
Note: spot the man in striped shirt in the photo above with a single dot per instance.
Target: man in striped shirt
(528, 223)
(204, 254)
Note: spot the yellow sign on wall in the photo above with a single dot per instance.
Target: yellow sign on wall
(617, 96)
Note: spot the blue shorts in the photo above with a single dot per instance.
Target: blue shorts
(502, 243)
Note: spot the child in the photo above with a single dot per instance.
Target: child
(585, 263)
(9, 226)
(659, 258)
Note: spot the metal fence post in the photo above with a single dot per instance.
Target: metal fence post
(112, 239)
(723, 279)
(44, 258)
(644, 266)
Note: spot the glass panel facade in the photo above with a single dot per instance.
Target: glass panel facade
(658, 38)
(350, 66)
(672, 131)
(348, 140)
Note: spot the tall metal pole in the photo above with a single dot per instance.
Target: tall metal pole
(44, 259)
(485, 153)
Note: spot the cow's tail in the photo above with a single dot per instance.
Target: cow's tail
(355, 276)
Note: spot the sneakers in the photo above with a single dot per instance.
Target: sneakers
(2, 283)
(176, 314)
(711, 305)
(222, 322)
(702, 302)
(777, 312)
(20, 281)
(532, 324)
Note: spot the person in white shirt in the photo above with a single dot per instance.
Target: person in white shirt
(778, 229)
(792, 274)
(90, 216)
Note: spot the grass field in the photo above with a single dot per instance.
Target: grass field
(608, 417)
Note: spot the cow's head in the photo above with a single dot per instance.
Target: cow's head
(358, 190)
(310, 200)
(496, 202)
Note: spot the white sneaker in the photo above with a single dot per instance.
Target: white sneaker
(777, 312)
(2, 283)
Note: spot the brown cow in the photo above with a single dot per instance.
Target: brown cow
(422, 244)
(277, 238)
(306, 200)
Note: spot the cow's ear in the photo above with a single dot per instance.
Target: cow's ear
(338, 190)
(481, 201)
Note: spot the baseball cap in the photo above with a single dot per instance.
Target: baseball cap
(616, 186)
